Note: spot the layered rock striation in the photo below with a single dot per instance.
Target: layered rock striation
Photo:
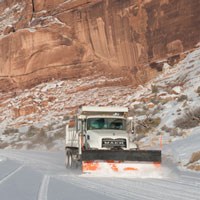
(58, 39)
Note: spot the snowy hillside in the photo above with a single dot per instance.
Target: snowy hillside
(175, 106)
(36, 118)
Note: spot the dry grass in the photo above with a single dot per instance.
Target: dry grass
(154, 89)
(195, 167)
(35, 136)
(59, 134)
(195, 157)
(198, 90)
(190, 119)
(172, 131)
(10, 131)
(146, 125)
(32, 131)
(183, 97)
(192, 163)
(3, 145)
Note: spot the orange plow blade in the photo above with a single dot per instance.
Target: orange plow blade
(106, 168)
(125, 162)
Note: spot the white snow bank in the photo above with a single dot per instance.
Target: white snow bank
(182, 149)
(2, 159)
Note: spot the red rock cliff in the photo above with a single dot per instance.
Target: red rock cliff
(50, 39)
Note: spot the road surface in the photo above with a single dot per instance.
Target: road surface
(35, 175)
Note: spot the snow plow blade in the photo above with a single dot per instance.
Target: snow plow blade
(120, 160)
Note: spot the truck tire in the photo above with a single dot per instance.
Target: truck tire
(66, 160)
(69, 161)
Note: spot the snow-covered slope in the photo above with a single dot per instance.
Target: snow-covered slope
(175, 101)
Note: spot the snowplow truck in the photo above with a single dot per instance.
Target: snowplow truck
(100, 138)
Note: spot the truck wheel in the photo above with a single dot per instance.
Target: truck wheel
(68, 160)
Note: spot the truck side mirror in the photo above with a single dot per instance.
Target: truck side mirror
(130, 118)
(130, 121)
(132, 130)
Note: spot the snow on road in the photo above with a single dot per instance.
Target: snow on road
(32, 175)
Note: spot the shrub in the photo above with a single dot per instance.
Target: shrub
(154, 89)
(140, 129)
(182, 98)
(198, 90)
(147, 124)
(10, 131)
(137, 106)
(157, 109)
(164, 101)
(49, 127)
(195, 167)
(193, 163)
(32, 131)
(152, 122)
(155, 101)
(190, 119)
(3, 145)
(174, 132)
(42, 136)
(59, 134)
(195, 157)
(66, 118)
(166, 129)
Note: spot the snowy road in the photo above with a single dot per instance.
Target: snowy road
(31, 175)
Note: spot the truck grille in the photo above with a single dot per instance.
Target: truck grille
(109, 142)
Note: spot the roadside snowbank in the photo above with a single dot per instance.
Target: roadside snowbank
(182, 150)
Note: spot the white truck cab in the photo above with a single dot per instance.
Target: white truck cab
(101, 128)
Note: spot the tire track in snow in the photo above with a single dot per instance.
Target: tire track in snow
(5, 178)
(171, 189)
(43, 191)
(137, 190)
(111, 190)
(167, 189)
(190, 177)
(36, 160)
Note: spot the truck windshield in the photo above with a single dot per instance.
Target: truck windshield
(105, 123)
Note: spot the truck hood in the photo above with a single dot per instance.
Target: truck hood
(95, 137)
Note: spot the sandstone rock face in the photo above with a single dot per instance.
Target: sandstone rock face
(58, 39)
(173, 26)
